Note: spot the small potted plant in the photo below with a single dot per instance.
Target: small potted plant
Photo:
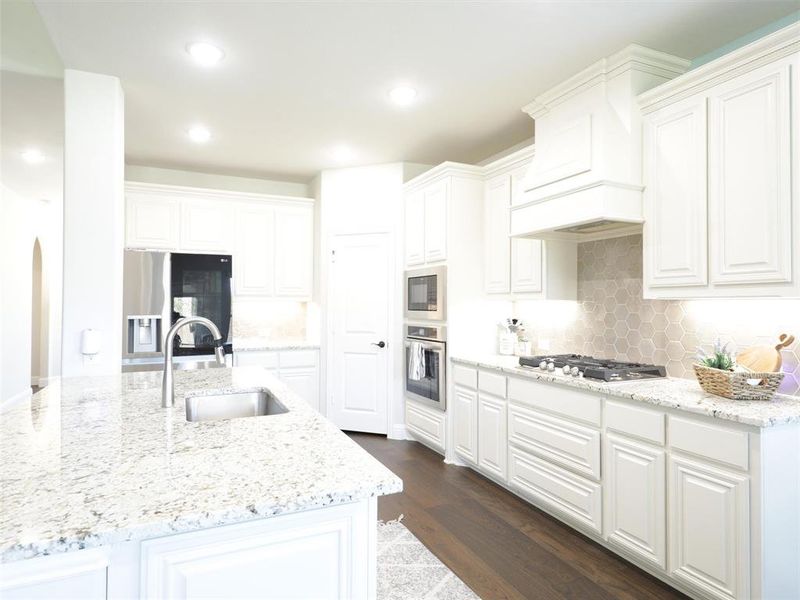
(718, 374)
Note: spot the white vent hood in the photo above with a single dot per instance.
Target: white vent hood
(585, 180)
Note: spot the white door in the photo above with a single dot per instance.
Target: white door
(496, 199)
(253, 261)
(206, 225)
(465, 424)
(436, 222)
(359, 287)
(492, 435)
(294, 251)
(151, 221)
(636, 492)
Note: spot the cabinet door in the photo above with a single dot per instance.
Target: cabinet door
(206, 225)
(294, 251)
(465, 424)
(151, 221)
(80, 575)
(436, 221)
(253, 263)
(750, 200)
(675, 202)
(709, 529)
(492, 436)
(636, 495)
(497, 246)
(304, 382)
(415, 228)
(527, 266)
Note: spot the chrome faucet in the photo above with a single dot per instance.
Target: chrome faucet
(167, 383)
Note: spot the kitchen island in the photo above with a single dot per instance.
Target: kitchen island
(107, 494)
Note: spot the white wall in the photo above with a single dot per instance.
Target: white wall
(216, 182)
(94, 163)
(23, 221)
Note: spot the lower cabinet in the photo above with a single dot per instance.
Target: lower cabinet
(492, 436)
(80, 575)
(635, 498)
(709, 528)
(465, 424)
(426, 424)
(298, 369)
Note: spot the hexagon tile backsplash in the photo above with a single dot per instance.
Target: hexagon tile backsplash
(612, 320)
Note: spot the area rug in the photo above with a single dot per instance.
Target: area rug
(407, 570)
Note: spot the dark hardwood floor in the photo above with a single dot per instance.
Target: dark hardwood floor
(498, 544)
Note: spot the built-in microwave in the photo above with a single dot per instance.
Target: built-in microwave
(426, 298)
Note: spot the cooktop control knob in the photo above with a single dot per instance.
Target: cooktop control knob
(551, 367)
(543, 365)
(565, 369)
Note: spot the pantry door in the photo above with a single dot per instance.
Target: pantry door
(359, 285)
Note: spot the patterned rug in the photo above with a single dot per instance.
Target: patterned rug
(407, 570)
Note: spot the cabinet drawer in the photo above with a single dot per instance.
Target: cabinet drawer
(562, 400)
(466, 376)
(572, 446)
(298, 358)
(636, 422)
(724, 445)
(425, 423)
(256, 359)
(575, 498)
(492, 383)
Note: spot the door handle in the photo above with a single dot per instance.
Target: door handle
(380, 344)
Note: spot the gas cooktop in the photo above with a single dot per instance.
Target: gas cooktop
(593, 368)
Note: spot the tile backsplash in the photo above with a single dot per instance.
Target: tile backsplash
(612, 320)
(273, 320)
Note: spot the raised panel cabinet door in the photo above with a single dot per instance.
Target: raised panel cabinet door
(294, 251)
(436, 221)
(303, 381)
(151, 222)
(206, 225)
(254, 254)
(415, 228)
(492, 436)
(749, 164)
(675, 236)
(709, 529)
(497, 245)
(465, 424)
(636, 496)
(527, 266)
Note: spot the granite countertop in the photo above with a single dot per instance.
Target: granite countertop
(680, 394)
(255, 344)
(93, 461)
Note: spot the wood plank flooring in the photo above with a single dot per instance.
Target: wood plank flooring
(498, 544)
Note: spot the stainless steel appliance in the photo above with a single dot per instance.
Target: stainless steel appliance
(577, 365)
(430, 388)
(425, 294)
(145, 302)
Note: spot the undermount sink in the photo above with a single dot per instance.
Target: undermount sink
(234, 405)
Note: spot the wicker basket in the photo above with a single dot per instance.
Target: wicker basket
(737, 386)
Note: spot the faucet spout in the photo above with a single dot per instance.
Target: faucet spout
(167, 382)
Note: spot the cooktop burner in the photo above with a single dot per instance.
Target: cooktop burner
(596, 368)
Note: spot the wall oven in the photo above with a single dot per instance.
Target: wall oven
(425, 294)
(426, 365)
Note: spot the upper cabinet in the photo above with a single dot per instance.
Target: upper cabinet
(432, 203)
(271, 238)
(530, 267)
(721, 197)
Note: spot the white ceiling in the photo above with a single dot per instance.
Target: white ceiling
(301, 77)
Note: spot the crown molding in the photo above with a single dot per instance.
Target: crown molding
(445, 169)
(208, 193)
(769, 48)
(631, 58)
(521, 157)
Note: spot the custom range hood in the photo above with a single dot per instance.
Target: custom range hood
(585, 180)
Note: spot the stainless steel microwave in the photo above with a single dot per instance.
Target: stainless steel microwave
(425, 291)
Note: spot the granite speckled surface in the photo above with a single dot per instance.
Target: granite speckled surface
(95, 460)
(680, 394)
(260, 344)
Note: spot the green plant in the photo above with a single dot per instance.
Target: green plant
(720, 358)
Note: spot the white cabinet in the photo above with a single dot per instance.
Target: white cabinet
(294, 251)
(303, 381)
(492, 436)
(709, 529)
(426, 424)
(497, 196)
(526, 266)
(151, 221)
(415, 228)
(675, 201)
(465, 424)
(436, 221)
(722, 208)
(77, 575)
(254, 255)
(298, 369)
(635, 498)
(206, 225)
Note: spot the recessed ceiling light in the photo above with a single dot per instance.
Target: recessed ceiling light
(343, 153)
(205, 54)
(199, 134)
(32, 156)
(403, 95)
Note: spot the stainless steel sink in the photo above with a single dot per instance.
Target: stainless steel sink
(232, 406)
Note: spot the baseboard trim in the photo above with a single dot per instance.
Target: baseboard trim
(16, 399)
(398, 432)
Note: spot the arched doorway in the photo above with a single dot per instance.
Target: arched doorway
(39, 320)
